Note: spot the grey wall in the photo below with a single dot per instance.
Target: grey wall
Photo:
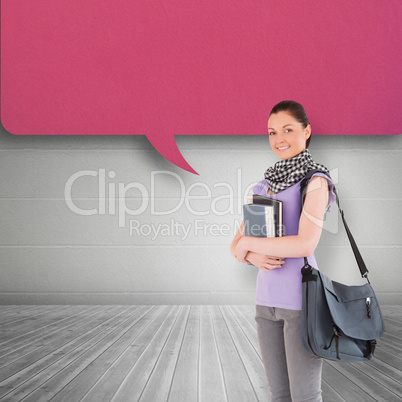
(50, 254)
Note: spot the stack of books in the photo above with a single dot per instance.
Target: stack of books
(263, 218)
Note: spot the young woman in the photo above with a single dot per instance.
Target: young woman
(292, 373)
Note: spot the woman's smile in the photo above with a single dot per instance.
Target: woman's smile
(283, 148)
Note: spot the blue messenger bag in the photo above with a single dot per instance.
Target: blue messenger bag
(339, 322)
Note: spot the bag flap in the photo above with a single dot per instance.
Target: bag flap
(344, 293)
(348, 308)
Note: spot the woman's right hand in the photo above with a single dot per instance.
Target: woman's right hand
(264, 262)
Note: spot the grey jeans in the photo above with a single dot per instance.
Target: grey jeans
(292, 373)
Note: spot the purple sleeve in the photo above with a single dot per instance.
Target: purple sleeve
(259, 187)
(332, 196)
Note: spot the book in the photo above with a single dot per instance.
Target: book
(278, 211)
(263, 218)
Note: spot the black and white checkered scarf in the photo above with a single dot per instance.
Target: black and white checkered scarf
(287, 172)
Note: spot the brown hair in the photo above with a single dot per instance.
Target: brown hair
(296, 110)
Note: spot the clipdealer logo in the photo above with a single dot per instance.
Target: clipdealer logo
(112, 201)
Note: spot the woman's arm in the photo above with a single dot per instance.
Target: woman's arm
(310, 227)
(239, 235)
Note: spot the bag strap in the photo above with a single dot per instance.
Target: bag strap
(303, 188)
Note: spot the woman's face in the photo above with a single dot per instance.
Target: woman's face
(287, 136)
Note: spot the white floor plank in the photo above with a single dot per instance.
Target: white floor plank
(158, 386)
(184, 386)
(237, 382)
(211, 383)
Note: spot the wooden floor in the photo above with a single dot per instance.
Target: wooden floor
(165, 353)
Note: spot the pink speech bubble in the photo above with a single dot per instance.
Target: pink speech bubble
(166, 68)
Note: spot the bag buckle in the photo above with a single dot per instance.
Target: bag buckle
(337, 334)
(335, 328)
(365, 276)
(368, 302)
(373, 344)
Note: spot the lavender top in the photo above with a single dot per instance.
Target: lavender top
(282, 287)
